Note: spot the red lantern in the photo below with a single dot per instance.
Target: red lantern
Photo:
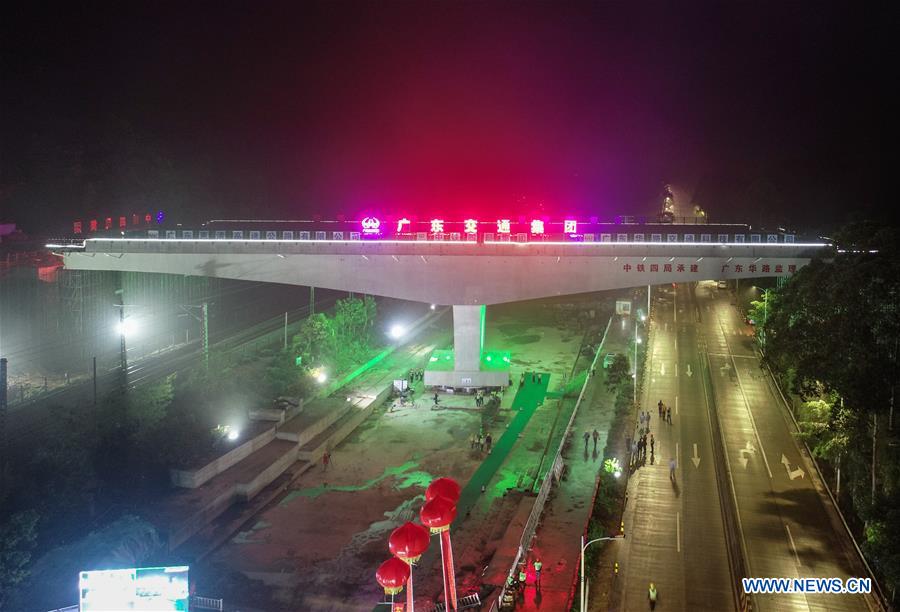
(437, 514)
(443, 487)
(392, 575)
(408, 542)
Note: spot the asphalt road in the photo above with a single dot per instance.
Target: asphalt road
(789, 525)
(674, 530)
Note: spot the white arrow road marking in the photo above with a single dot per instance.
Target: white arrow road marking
(696, 457)
(792, 474)
(689, 372)
(747, 450)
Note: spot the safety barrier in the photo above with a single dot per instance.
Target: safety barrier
(207, 603)
(734, 538)
(553, 475)
(465, 603)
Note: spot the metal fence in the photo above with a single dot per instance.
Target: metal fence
(552, 477)
(207, 603)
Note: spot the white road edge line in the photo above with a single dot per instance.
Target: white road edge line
(676, 405)
(793, 546)
(678, 531)
(762, 449)
(737, 375)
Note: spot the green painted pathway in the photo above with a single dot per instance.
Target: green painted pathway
(529, 396)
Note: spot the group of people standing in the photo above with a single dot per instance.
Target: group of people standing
(536, 378)
(665, 412)
(482, 441)
(641, 442)
(414, 375)
(587, 436)
(517, 581)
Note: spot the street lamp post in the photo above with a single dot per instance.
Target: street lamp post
(637, 341)
(765, 316)
(583, 606)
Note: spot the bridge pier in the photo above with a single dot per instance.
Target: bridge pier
(468, 365)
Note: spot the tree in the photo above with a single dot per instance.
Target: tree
(618, 372)
(17, 538)
(353, 321)
(833, 330)
(314, 338)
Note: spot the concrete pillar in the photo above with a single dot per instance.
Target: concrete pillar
(468, 337)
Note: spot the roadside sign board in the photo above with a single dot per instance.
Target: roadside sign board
(623, 307)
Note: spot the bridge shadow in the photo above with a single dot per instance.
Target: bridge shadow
(802, 509)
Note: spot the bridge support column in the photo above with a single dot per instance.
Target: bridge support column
(468, 365)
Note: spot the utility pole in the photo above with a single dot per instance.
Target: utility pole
(3, 406)
(203, 318)
(95, 379)
(312, 301)
(285, 331)
(874, 449)
(123, 351)
(634, 392)
(204, 333)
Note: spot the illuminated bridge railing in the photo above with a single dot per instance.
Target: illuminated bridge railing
(282, 247)
(625, 236)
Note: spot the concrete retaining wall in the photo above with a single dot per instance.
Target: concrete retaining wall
(200, 519)
(303, 437)
(246, 491)
(313, 454)
(191, 479)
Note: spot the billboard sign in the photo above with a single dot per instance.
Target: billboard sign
(143, 588)
(623, 307)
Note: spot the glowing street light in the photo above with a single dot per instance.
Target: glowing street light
(433, 306)
(396, 331)
(321, 377)
(233, 434)
(126, 327)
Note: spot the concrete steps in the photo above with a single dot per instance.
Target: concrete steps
(360, 409)
(316, 417)
(188, 511)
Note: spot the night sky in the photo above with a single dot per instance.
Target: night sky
(768, 113)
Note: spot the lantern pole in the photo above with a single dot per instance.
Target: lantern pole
(410, 603)
(444, 572)
(449, 574)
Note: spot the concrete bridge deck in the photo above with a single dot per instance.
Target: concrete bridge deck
(447, 272)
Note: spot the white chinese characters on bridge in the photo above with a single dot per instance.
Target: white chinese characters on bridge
(695, 268)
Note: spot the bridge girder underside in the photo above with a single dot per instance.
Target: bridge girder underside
(447, 279)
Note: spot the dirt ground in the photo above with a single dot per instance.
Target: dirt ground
(319, 546)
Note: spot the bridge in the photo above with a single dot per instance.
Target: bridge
(465, 274)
